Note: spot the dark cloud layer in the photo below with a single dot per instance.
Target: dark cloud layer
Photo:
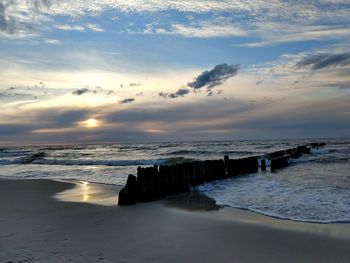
(234, 119)
(214, 77)
(191, 112)
(52, 118)
(345, 86)
(58, 118)
(323, 61)
(339, 84)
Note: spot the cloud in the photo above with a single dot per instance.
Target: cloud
(66, 27)
(208, 79)
(126, 101)
(324, 61)
(94, 27)
(28, 93)
(343, 85)
(134, 84)
(271, 22)
(94, 90)
(12, 94)
(55, 42)
(22, 18)
(180, 93)
(45, 125)
(53, 117)
(214, 77)
(234, 119)
(19, 19)
(163, 95)
(83, 7)
(170, 115)
(211, 93)
(56, 118)
(6, 25)
(12, 25)
(80, 91)
(273, 33)
(205, 29)
(307, 10)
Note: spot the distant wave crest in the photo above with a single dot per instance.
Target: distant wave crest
(39, 159)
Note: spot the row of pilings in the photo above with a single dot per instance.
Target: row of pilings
(156, 182)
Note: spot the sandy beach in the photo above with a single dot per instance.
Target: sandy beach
(54, 221)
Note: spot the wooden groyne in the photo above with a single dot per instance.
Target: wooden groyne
(156, 182)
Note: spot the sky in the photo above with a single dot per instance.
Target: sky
(112, 71)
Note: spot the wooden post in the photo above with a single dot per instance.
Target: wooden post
(279, 163)
(263, 165)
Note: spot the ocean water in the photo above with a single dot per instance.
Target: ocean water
(314, 188)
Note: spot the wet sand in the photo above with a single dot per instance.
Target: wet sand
(51, 221)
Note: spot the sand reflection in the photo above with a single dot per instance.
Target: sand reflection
(86, 192)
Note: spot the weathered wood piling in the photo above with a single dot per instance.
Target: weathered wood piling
(156, 182)
(263, 165)
(279, 162)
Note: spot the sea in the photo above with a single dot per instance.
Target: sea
(314, 188)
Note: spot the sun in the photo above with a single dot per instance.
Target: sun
(91, 123)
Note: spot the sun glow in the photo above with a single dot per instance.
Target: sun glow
(91, 123)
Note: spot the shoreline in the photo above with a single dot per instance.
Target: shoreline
(331, 222)
(75, 182)
(38, 228)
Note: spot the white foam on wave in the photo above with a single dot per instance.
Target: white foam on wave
(98, 162)
(280, 196)
(321, 150)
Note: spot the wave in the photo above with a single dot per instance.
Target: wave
(322, 160)
(31, 158)
(222, 201)
(168, 145)
(98, 162)
(17, 153)
(237, 152)
(185, 152)
(5, 162)
(322, 150)
(214, 151)
(38, 158)
(295, 219)
(175, 160)
(63, 148)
